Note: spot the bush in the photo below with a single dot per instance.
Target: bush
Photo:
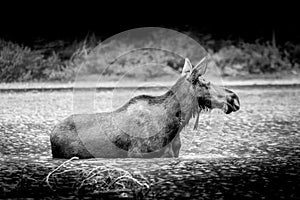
(147, 59)
(292, 52)
(18, 63)
(58, 61)
(246, 58)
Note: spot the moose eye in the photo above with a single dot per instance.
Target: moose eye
(206, 82)
(202, 81)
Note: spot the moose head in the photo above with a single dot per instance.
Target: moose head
(209, 96)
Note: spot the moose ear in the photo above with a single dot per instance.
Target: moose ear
(201, 67)
(187, 68)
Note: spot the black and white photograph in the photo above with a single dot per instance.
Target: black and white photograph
(151, 102)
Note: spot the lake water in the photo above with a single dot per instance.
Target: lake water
(253, 153)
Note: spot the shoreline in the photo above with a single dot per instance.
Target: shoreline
(110, 85)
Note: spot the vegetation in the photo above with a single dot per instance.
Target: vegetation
(245, 58)
(19, 63)
(60, 61)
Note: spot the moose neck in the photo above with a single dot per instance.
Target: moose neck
(182, 99)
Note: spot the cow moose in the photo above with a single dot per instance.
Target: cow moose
(146, 126)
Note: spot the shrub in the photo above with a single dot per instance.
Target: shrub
(292, 53)
(147, 59)
(246, 58)
(58, 61)
(19, 63)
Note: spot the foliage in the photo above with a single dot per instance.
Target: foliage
(246, 58)
(160, 56)
(18, 63)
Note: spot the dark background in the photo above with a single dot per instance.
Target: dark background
(51, 21)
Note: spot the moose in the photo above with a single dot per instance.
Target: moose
(146, 126)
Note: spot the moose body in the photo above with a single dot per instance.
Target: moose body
(146, 126)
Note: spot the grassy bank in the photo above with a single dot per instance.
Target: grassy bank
(61, 61)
